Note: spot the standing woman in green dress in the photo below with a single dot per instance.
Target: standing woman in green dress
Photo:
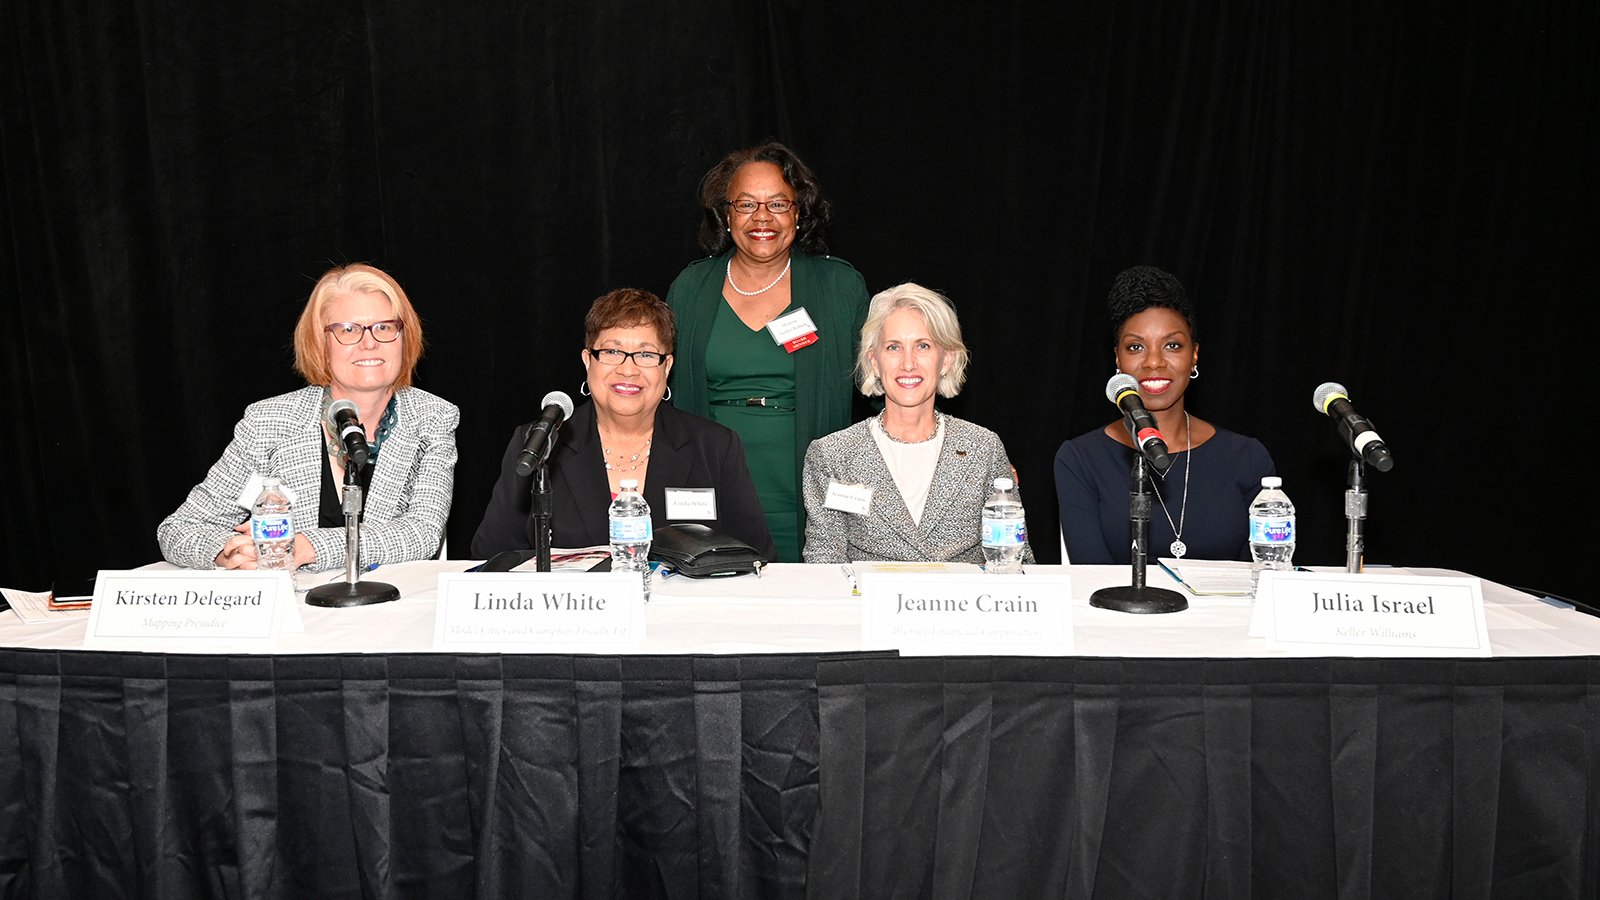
(768, 324)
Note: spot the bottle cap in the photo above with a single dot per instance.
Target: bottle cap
(628, 483)
(1271, 481)
(1004, 484)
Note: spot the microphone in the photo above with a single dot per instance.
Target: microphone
(1330, 398)
(1123, 391)
(542, 436)
(345, 423)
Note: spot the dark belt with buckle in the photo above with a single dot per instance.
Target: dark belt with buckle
(754, 401)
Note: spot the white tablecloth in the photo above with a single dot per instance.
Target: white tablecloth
(795, 608)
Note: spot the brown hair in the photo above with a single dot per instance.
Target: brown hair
(625, 308)
(310, 344)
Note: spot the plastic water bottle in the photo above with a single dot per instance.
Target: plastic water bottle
(272, 527)
(1271, 529)
(1005, 531)
(631, 532)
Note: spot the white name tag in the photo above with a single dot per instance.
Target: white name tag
(691, 503)
(539, 612)
(850, 498)
(935, 615)
(1371, 615)
(793, 330)
(187, 612)
(252, 490)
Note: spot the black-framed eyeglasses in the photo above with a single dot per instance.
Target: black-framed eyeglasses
(350, 332)
(747, 207)
(645, 359)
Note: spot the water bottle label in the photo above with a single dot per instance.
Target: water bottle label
(1272, 529)
(1004, 533)
(631, 529)
(271, 527)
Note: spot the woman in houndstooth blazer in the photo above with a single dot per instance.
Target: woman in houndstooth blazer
(910, 483)
(358, 339)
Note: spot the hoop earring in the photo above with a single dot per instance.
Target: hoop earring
(669, 393)
(1194, 372)
(583, 387)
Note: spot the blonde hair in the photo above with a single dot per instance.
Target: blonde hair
(943, 327)
(310, 345)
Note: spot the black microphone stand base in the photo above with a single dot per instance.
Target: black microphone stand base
(1138, 600)
(343, 594)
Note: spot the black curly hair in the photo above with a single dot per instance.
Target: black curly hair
(1142, 287)
(810, 207)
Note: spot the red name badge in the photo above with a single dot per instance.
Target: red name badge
(804, 340)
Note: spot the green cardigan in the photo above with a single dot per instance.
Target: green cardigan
(834, 294)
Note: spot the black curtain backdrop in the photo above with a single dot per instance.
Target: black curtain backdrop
(1395, 196)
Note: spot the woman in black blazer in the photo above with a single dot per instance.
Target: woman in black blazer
(689, 469)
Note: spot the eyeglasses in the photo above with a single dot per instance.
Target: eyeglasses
(350, 332)
(777, 206)
(645, 359)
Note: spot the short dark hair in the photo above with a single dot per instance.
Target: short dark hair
(625, 308)
(1140, 288)
(811, 209)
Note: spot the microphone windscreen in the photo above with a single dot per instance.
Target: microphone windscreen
(339, 406)
(1119, 384)
(558, 398)
(1325, 394)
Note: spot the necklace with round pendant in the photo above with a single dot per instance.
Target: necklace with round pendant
(1178, 547)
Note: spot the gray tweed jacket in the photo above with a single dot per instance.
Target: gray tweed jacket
(971, 459)
(405, 507)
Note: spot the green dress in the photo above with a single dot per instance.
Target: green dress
(742, 363)
(835, 295)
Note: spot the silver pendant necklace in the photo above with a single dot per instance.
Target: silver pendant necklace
(1178, 547)
(621, 465)
(744, 293)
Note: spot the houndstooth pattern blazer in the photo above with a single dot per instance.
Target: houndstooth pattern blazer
(971, 459)
(405, 507)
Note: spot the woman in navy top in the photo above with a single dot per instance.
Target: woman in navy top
(1201, 504)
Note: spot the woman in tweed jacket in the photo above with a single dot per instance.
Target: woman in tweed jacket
(358, 339)
(910, 483)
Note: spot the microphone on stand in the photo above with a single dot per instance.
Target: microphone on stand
(542, 436)
(1139, 597)
(343, 420)
(345, 423)
(1123, 392)
(1331, 398)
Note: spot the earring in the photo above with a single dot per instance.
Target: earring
(669, 393)
(583, 388)
(1194, 372)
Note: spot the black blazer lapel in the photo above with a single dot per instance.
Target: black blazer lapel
(580, 473)
(671, 461)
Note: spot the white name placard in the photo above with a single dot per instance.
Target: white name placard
(540, 612)
(187, 612)
(936, 615)
(1371, 615)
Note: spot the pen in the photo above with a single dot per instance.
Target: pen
(850, 576)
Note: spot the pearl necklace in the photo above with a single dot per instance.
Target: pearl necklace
(638, 459)
(883, 423)
(745, 293)
(1178, 547)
